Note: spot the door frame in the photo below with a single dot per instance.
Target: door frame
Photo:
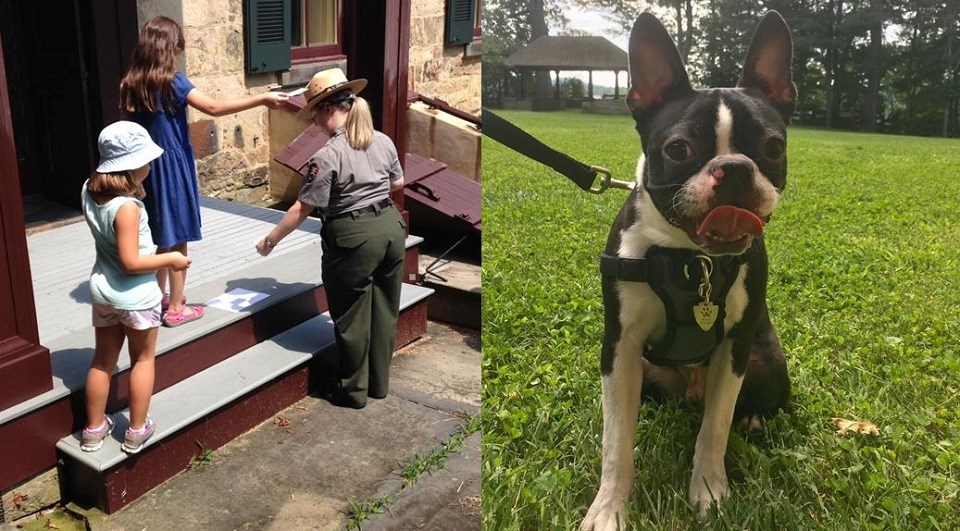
(25, 370)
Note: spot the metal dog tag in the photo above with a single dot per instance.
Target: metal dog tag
(705, 313)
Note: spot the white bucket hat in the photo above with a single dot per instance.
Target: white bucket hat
(125, 146)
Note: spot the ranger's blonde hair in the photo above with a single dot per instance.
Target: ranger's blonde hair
(359, 125)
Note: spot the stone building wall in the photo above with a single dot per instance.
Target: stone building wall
(232, 152)
(452, 73)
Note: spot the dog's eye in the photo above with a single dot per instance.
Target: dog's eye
(678, 150)
(773, 148)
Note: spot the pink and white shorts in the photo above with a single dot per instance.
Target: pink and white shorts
(104, 315)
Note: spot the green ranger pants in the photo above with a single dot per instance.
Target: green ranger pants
(362, 271)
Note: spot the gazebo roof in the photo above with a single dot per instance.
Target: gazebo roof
(566, 52)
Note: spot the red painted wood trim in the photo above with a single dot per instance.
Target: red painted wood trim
(412, 324)
(445, 107)
(377, 42)
(28, 445)
(20, 348)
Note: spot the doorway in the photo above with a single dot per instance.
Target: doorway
(64, 61)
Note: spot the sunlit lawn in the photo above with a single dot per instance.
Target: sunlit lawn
(865, 293)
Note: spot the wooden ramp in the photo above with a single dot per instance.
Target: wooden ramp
(61, 260)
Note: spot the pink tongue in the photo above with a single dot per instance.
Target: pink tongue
(729, 222)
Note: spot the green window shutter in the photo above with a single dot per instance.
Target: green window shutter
(268, 35)
(460, 21)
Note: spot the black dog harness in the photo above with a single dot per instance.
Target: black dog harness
(693, 288)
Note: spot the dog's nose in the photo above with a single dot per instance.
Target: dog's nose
(732, 173)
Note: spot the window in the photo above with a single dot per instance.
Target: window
(267, 36)
(317, 26)
(461, 21)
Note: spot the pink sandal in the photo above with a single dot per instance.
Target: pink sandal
(177, 318)
(165, 303)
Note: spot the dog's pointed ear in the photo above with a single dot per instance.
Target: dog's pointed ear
(656, 70)
(767, 67)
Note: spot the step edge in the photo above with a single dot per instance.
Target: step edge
(70, 443)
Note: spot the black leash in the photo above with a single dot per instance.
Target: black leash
(522, 142)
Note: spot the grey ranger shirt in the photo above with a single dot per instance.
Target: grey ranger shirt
(339, 178)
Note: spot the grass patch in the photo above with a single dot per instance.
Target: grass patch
(358, 512)
(203, 458)
(418, 465)
(412, 470)
(864, 287)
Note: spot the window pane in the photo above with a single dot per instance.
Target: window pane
(321, 21)
(296, 17)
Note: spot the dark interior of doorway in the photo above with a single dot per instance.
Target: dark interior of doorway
(63, 60)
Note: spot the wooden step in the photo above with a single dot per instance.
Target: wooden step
(203, 412)
(61, 261)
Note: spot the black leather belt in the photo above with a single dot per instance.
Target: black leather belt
(384, 203)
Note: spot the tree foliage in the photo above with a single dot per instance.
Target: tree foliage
(887, 65)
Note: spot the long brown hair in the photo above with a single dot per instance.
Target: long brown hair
(152, 68)
(106, 186)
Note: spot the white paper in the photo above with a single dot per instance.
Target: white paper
(297, 92)
(236, 300)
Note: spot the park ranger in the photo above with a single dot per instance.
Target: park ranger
(349, 180)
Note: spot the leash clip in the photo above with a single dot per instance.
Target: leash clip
(607, 181)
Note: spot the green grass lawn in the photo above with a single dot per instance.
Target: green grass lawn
(864, 291)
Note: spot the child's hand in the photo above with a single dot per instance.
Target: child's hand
(275, 99)
(263, 248)
(179, 261)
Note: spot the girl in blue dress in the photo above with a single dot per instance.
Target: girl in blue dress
(156, 96)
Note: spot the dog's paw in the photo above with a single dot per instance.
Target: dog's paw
(751, 424)
(606, 514)
(707, 488)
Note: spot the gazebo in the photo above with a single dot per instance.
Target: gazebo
(568, 53)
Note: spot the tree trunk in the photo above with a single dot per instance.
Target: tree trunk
(836, 8)
(951, 68)
(911, 76)
(871, 105)
(538, 28)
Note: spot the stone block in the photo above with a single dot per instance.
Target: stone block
(256, 177)
(204, 138)
(31, 497)
(426, 8)
(219, 171)
(441, 136)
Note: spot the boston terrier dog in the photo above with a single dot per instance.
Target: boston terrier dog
(685, 267)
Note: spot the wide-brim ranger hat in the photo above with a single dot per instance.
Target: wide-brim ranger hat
(125, 146)
(325, 84)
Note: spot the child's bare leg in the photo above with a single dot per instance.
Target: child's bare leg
(178, 281)
(143, 348)
(109, 343)
(162, 275)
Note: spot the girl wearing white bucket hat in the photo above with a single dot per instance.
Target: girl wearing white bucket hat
(123, 283)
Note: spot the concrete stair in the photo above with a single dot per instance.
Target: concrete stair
(205, 411)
